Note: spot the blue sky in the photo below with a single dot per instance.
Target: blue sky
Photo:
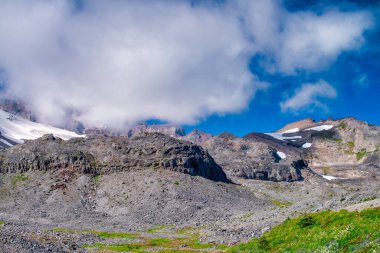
(355, 75)
(214, 65)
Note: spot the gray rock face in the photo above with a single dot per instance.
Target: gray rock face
(251, 159)
(101, 154)
(346, 148)
(350, 142)
(196, 136)
(298, 124)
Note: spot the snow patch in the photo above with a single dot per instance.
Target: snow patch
(331, 177)
(18, 129)
(6, 143)
(307, 145)
(290, 131)
(279, 136)
(320, 128)
(281, 154)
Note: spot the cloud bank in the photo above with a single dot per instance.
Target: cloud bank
(308, 97)
(114, 63)
(301, 40)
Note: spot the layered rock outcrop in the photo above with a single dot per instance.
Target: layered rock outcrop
(252, 159)
(102, 154)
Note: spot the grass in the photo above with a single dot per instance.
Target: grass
(342, 125)
(101, 234)
(326, 231)
(98, 179)
(361, 154)
(176, 251)
(351, 146)
(189, 230)
(187, 240)
(181, 244)
(326, 170)
(155, 229)
(2, 223)
(368, 199)
(117, 235)
(130, 247)
(281, 204)
(19, 178)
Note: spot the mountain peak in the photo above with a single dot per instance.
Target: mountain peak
(197, 136)
(298, 124)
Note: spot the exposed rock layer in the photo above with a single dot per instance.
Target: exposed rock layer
(101, 154)
(251, 159)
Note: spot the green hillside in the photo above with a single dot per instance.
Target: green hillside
(325, 231)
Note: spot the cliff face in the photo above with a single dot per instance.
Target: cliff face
(99, 155)
(298, 124)
(349, 142)
(252, 159)
(196, 136)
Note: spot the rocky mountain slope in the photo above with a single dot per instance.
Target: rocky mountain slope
(196, 136)
(36, 204)
(344, 148)
(337, 149)
(225, 188)
(251, 159)
(101, 154)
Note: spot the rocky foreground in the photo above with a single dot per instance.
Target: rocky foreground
(59, 196)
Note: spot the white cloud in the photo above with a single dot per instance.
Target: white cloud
(312, 42)
(118, 62)
(302, 40)
(308, 97)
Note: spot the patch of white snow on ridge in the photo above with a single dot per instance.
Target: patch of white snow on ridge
(18, 129)
(290, 131)
(307, 145)
(331, 177)
(279, 136)
(320, 128)
(6, 143)
(281, 154)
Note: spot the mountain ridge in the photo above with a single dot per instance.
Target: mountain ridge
(320, 144)
(226, 188)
